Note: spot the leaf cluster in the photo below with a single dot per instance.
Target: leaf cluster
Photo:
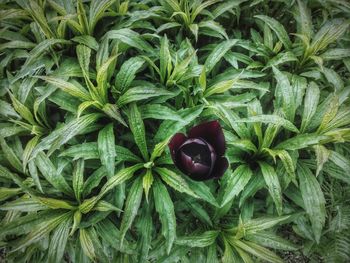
(92, 91)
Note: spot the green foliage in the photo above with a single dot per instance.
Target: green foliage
(91, 93)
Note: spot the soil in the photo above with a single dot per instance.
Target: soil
(293, 257)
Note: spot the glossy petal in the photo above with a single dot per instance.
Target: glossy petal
(191, 168)
(212, 133)
(175, 143)
(220, 168)
(196, 158)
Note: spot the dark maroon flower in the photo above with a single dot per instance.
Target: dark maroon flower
(200, 154)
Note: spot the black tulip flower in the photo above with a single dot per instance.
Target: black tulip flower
(200, 154)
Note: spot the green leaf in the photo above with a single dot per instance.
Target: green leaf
(313, 199)
(10, 155)
(43, 46)
(78, 178)
(86, 243)
(7, 110)
(198, 8)
(169, 127)
(301, 141)
(103, 206)
(49, 171)
(202, 190)
(278, 28)
(58, 241)
(202, 240)
(220, 87)
(299, 85)
(64, 133)
(138, 130)
(212, 28)
(218, 52)
(257, 225)
(330, 32)
(273, 184)
(142, 93)
(147, 181)
(119, 178)
(340, 160)
(17, 44)
(310, 104)
(67, 87)
(281, 58)
(7, 193)
(167, 26)
(273, 119)
(322, 156)
(84, 105)
(232, 120)
(102, 75)
(84, 54)
(228, 255)
(212, 255)
(288, 163)
(94, 180)
(34, 174)
(86, 151)
(304, 19)
(40, 231)
(198, 211)
(106, 148)
(159, 149)
(271, 240)
(82, 18)
(165, 65)
(329, 114)
(76, 222)
(244, 144)
(55, 203)
(333, 78)
(145, 228)
(22, 204)
(159, 112)
(286, 159)
(256, 250)
(112, 111)
(130, 38)
(28, 150)
(285, 94)
(127, 73)
(255, 184)
(165, 209)
(110, 233)
(236, 182)
(335, 54)
(181, 68)
(97, 11)
(131, 207)
(203, 79)
(175, 181)
(124, 154)
(89, 150)
(22, 110)
(244, 256)
(86, 40)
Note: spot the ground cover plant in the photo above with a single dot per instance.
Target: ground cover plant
(97, 99)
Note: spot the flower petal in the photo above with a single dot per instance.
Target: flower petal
(212, 133)
(176, 141)
(220, 168)
(191, 168)
(194, 158)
